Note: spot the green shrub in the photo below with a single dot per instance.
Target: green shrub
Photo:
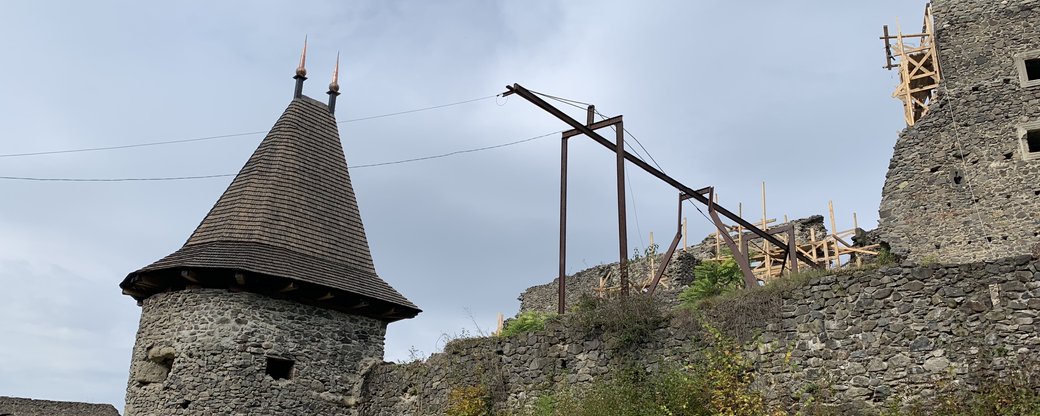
(526, 322)
(633, 393)
(1016, 394)
(469, 401)
(712, 278)
(718, 382)
(885, 256)
(544, 405)
(624, 321)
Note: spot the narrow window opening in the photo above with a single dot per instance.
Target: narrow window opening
(957, 178)
(279, 368)
(1033, 141)
(1033, 69)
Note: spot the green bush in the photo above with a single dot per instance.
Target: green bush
(1016, 394)
(469, 401)
(625, 321)
(885, 256)
(718, 382)
(633, 393)
(526, 322)
(712, 278)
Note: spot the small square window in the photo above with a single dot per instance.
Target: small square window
(1029, 140)
(1032, 69)
(279, 368)
(1028, 66)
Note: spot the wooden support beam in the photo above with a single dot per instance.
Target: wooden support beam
(685, 235)
(326, 296)
(289, 288)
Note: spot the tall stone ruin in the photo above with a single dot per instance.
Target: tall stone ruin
(273, 305)
(964, 181)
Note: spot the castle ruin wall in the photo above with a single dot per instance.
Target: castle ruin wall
(962, 184)
(210, 351)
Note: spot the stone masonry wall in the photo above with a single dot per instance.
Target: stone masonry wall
(204, 351)
(678, 276)
(866, 336)
(515, 370)
(14, 406)
(960, 186)
(894, 331)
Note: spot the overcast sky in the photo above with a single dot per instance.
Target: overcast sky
(721, 93)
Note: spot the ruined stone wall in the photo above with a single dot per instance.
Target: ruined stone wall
(204, 351)
(543, 298)
(678, 276)
(864, 337)
(514, 371)
(14, 406)
(960, 185)
(893, 332)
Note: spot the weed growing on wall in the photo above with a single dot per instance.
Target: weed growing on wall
(715, 382)
(469, 401)
(712, 278)
(526, 322)
(1015, 393)
(625, 322)
(727, 377)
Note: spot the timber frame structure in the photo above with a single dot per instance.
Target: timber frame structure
(919, 71)
(704, 196)
(831, 250)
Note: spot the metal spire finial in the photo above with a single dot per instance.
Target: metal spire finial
(334, 87)
(301, 71)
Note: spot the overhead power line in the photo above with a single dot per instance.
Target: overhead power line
(226, 136)
(224, 175)
(168, 178)
(127, 146)
(459, 152)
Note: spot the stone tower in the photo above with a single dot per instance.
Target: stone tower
(273, 305)
(964, 181)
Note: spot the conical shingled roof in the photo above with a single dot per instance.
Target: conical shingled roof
(290, 213)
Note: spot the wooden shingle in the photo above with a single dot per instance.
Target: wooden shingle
(290, 213)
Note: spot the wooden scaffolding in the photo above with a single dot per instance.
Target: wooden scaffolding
(831, 249)
(915, 55)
